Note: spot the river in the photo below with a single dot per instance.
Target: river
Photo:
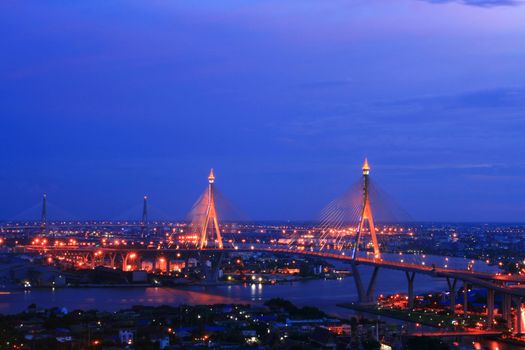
(322, 293)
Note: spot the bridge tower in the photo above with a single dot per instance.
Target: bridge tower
(43, 218)
(366, 215)
(144, 221)
(210, 220)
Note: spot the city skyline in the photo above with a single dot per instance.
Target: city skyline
(103, 104)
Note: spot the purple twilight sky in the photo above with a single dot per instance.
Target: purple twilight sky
(104, 101)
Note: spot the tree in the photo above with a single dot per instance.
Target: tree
(372, 344)
(428, 343)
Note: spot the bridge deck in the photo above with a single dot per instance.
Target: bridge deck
(464, 333)
(482, 279)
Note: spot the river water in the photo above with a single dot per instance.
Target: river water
(324, 294)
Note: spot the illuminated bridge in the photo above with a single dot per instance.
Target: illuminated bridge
(328, 245)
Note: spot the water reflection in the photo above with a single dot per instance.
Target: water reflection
(322, 293)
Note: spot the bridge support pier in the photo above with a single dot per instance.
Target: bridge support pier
(518, 320)
(215, 267)
(372, 285)
(90, 260)
(358, 284)
(490, 308)
(112, 258)
(465, 298)
(85, 259)
(452, 290)
(365, 296)
(130, 258)
(410, 279)
(124, 259)
(211, 273)
(506, 308)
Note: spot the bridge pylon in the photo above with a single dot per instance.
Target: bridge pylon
(210, 220)
(366, 215)
(144, 221)
(43, 218)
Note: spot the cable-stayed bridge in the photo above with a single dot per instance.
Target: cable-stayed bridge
(342, 235)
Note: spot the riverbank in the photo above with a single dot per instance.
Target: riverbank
(432, 319)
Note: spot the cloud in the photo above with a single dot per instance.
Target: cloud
(442, 166)
(482, 169)
(480, 3)
(471, 127)
(504, 97)
(399, 115)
